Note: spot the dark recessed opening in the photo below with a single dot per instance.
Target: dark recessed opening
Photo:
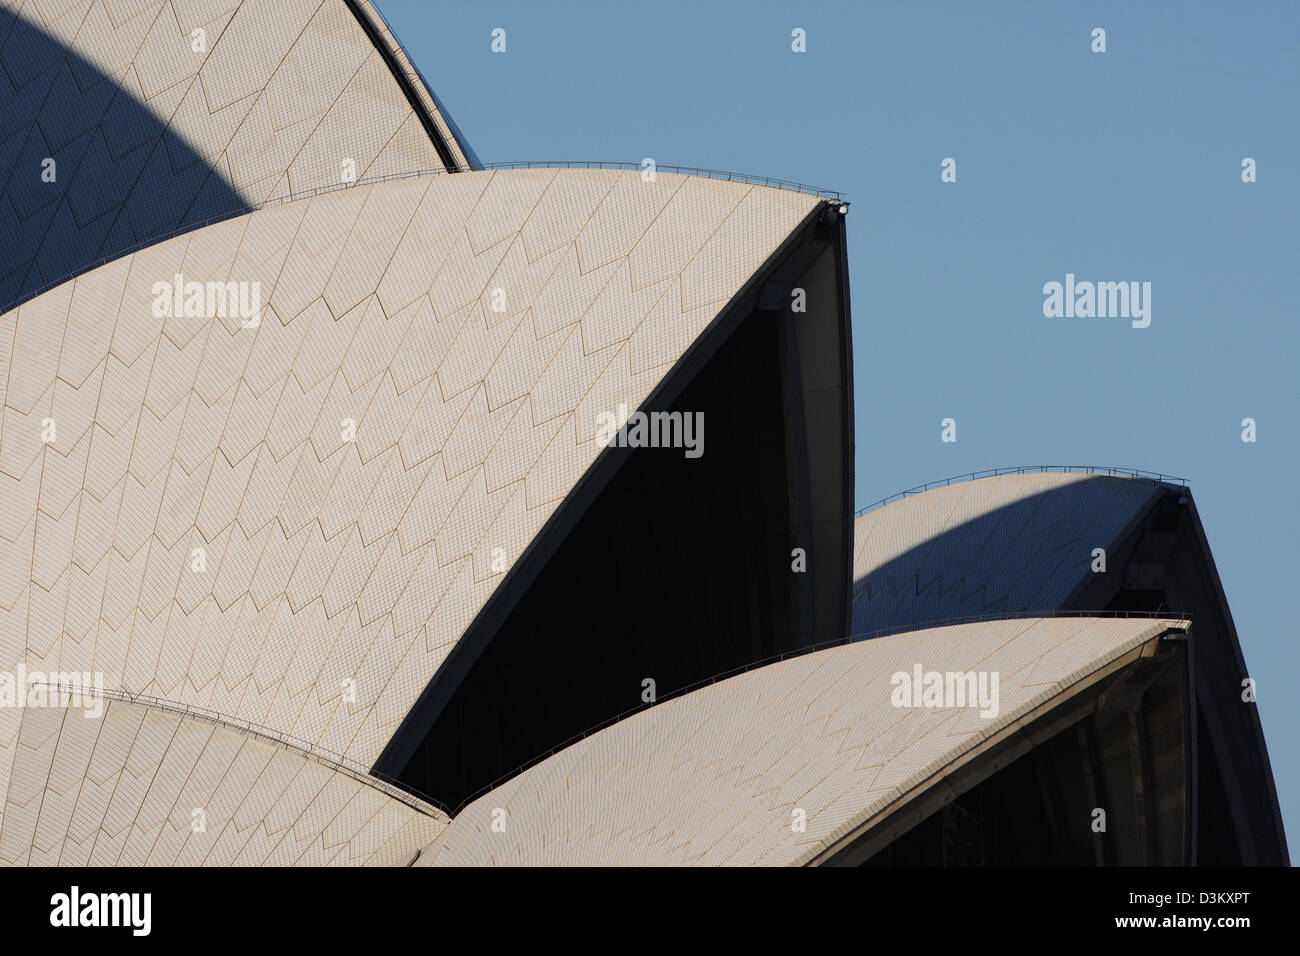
(679, 570)
(1042, 808)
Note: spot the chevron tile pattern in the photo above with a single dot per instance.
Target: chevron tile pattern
(714, 777)
(146, 786)
(1003, 543)
(150, 136)
(293, 523)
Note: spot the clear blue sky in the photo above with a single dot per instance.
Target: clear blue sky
(1123, 165)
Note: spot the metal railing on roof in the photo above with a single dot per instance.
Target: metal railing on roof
(1180, 619)
(1113, 471)
(443, 115)
(683, 170)
(197, 224)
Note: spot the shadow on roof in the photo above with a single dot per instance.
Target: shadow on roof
(121, 178)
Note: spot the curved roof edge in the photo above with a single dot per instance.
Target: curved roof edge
(334, 762)
(1026, 724)
(476, 167)
(452, 149)
(1112, 471)
(832, 644)
(1007, 542)
(129, 783)
(1277, 836)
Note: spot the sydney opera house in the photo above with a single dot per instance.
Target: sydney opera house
(312, 550)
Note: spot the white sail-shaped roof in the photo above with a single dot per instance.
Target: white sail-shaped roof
(1013, 542)
(117, 783)
(781, 764)
(292, 522)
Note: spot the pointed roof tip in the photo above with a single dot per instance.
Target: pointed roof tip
(454, 151)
